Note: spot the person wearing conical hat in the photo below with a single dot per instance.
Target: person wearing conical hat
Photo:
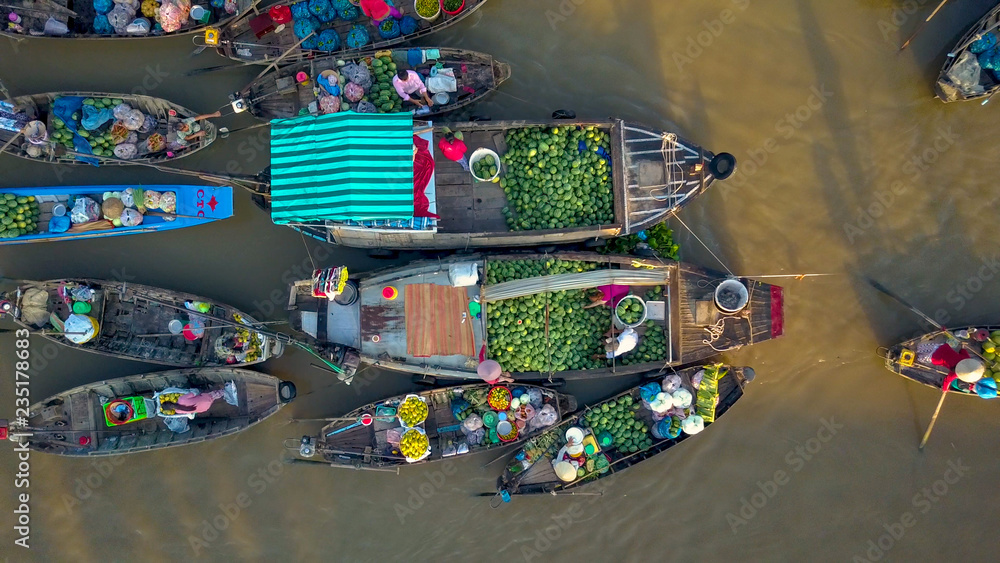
(968, 370)
(492, 373)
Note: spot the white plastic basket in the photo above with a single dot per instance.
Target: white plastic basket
(645, 311)
(478, 155)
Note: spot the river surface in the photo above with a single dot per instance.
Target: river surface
(848, 167)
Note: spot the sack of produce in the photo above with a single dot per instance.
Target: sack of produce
(354, 92)
(408, 25)
(131, 218)
(358, 37)
(112, 208)
(546, 416)
(389, 28)
(125, 151)
(151, 199)
(168, 202)
(472, 423)
(104, 6)
(463, 275)
(671, 383)
(134, 119)
(173, 14)
(84, 210)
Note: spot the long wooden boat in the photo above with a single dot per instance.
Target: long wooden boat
(644, 177)
(39, 107)
(912, 358)
(74, 422)
(279, 95)
(196, 205)
(989, 81)
(258, 39)
(348, 443)
(79, 18)
(532, 470)
(429, 327)
(139, 322)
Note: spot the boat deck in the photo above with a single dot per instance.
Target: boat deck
(386, 320)
(467, 206)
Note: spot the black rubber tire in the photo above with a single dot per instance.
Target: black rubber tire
(722, 166)
(382, 253)
(286, 391)
(564, 114)
(749, 374)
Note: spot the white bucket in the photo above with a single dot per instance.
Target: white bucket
(478, 155)
(732, 285)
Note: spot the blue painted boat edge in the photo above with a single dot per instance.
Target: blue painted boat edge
(191, 200)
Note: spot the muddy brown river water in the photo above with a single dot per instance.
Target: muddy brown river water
(848, 167)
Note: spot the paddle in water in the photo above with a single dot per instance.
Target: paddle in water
(944, 392)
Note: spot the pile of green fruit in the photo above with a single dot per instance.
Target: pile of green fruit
(18, 215)
(100, 140)
(500, 271)
(659, 237)
(652, 346)
(516, 327)
(551, 183)
(618, 417)
(485, 168)
(629, 311)
(383, 93)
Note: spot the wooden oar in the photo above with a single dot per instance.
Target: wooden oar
(11, 141)
(275, 62)
(924, 24)
(944, 392)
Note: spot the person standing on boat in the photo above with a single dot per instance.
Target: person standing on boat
(607, 295)
(193, 403)
(623, 344)
(452, 146)
(188, 131)
(378, 10)
(407, 82)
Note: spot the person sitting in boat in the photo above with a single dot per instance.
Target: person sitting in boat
(492, 373)
(193, 403)
(624, 343)
(378, 10)
(408, 82)
(952, 360)
(188, 130)
(453, 147)
(607, 295)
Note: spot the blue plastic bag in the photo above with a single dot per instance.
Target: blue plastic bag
(358, 37)
(103, 6)
(408, 25)
(329, 40)
(303, 27)
(983, 44)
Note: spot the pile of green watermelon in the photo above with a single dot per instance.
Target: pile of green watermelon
(485, 167)
(653, 342)
(18, 215)
(618, 418)
(99, 139)
(383, 93)
(516, 327)
(551, 184)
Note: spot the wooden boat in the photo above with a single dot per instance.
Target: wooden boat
(912, 358)
(79, 17)
(278, 95)
(653, 174)
(348, 443)
(136, 322)
(532, 471)
(989, 81)
(196, 205)
(259, 40)
(74, 422)
(428, 328)
(40, 107)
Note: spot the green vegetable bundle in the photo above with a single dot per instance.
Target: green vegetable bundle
(18, 215)
(708, 392)
(551, 184)
(619, 417)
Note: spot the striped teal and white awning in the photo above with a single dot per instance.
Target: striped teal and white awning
(342, 166)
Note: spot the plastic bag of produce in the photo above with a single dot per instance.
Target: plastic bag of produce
(93, 118)
(671, 383)
(443, 81)
(354, 92)
(133, 120)
(168, 202)
(682, 398)
(126, 151)
(173, 13)
(85, 210)
(473, 423)
(966, 72)
(393, 435)
(121, 110)
(120, 17)
(476, 437)
(983, 44)
(546, 416)
(131, 218)
(148, 124)
(463, 275)
(693, 424)
(536, 397)
(104, 6)
(358, 74)
(366, 107)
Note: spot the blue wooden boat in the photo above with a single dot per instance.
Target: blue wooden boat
(196, 205)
